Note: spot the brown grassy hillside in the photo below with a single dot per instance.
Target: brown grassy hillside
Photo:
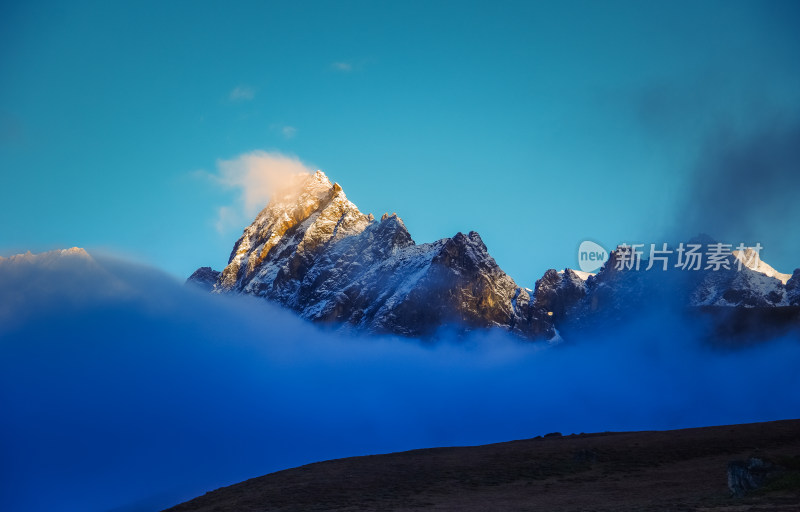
(631, 471)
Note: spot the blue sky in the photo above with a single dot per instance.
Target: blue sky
(538, 125)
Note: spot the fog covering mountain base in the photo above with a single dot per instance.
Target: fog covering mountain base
(122, 389)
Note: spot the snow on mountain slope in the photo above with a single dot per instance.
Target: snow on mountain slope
(313, 251)
(305, 215)
(747, 288)
(621, 295)
(751, 260)
(46, 258)
(583, 275)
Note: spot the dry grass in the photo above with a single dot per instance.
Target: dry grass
(637, 471)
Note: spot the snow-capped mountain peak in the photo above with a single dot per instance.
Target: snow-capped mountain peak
(580, 273)
(311, 250)
(305, 213)
(750, 259)
(47, 257)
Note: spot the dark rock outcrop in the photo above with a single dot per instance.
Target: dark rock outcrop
(749, 475)
(557, 293)
(793, 288)
(204, 277)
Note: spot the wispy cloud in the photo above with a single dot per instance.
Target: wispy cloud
(343, 66)
(242, 93)
(227, 218)
(289, 131)
(255, 176)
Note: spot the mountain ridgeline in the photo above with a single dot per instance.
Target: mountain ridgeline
(312, 251)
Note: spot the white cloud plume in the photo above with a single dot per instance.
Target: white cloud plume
(242, 93)
(342, 66)
(256, 175)
(227, 218)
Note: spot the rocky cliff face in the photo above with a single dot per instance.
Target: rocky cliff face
(204, 277)
(745, 476)
(558, 292)
(313, 251)
(793, 288)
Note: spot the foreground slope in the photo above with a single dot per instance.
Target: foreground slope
(667, 470)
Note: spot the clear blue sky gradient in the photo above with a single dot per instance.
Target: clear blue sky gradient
(538, 125)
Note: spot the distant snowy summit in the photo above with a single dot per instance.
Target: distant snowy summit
(44, 258)
(314, 252)
(741, 281)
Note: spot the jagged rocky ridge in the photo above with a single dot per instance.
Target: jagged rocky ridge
(748, 299)
(313, 251)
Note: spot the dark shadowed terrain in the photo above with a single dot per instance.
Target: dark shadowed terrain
(629, 471)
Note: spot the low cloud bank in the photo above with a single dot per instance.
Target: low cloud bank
(121, 389)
